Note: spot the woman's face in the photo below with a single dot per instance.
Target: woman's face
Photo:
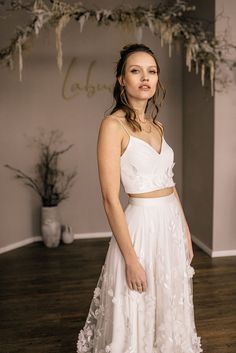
(140, 78)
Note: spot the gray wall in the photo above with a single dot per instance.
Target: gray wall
(224, 219)
(198, 146)
(209, 146)
(198, 149)
(38, 102)
(200, 129)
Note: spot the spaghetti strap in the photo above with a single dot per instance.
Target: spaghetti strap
(122, 125)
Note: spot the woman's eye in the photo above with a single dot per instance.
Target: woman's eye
(137, 71)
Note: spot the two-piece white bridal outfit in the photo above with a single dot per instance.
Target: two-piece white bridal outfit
(161, 319)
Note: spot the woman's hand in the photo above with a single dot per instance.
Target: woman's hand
(136, 276)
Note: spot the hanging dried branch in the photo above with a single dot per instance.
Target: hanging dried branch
(169, 21)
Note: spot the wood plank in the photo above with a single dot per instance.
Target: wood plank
(45, 296)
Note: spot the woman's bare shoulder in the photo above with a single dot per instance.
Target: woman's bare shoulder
(111, 125)
(118, 115)
(158, 125)
(161, 125)
(112, 121)
(156, 121)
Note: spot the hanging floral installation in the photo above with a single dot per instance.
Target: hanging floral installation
(169, 21)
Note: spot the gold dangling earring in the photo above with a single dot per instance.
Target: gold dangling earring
(122, 93)
(122, 97)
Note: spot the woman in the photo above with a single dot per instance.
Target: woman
(143, 299)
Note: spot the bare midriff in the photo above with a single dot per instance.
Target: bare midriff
(155, 193)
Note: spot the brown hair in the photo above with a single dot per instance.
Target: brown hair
(119, 94)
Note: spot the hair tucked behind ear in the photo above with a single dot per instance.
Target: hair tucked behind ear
(119, 94)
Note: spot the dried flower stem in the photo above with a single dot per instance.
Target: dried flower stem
(169, 21)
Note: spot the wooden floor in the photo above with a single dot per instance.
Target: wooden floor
(45, 296)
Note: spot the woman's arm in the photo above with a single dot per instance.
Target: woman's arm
(108, 156)
(188, 234)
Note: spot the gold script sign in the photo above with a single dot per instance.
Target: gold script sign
(73, 87)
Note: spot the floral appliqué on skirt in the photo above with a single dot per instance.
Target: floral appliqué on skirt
(161, 319)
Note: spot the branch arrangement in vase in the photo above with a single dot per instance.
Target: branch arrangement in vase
(51, 183)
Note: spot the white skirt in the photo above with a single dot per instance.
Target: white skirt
(161, 319)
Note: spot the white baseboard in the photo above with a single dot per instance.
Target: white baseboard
(37, 238)
(201, 245)
(210, 252)
(98, 235)
(223, 253)
(93, 235)
(20, 244)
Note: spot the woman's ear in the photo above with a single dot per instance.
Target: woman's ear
(120, 79)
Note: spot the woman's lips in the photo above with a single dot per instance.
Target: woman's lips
(145, 87)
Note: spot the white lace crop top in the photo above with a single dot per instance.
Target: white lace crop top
(143, 169)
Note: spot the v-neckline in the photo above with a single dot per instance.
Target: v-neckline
(150, 146)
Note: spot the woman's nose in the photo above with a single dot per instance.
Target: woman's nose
(145, 77)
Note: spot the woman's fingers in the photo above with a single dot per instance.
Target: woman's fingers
(135, 285)
(144, 285)
(130, 284)
(140, 287)
(136, 278)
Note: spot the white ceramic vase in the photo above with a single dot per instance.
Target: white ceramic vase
(50, 226)
(67, 235)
